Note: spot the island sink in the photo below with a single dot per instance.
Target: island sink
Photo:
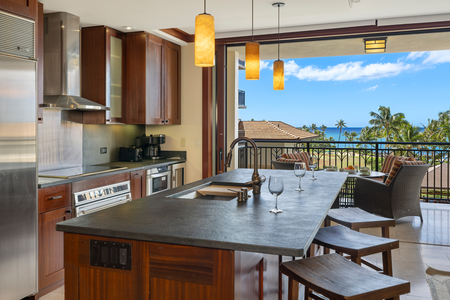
(221, 191)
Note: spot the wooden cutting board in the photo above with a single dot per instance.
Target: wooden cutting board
(221, 190)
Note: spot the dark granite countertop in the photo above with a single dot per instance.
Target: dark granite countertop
(243, 226)
(44, 182)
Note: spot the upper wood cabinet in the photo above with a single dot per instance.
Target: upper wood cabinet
(23, 8)
(153, 80)
(102, 76)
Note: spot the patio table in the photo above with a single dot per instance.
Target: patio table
(346, 196)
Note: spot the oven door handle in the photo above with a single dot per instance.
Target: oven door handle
(85, 212)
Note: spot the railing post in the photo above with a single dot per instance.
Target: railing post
(307, 148)
(376, 156)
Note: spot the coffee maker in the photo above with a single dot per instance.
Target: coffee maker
(153, 148)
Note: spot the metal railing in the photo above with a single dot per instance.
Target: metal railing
(435, 186)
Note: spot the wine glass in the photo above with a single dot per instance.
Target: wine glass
(299, 171)
(312, 165)
(276, 188)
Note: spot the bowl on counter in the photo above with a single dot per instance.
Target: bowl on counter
(331, 168)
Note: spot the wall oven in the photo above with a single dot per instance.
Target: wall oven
(89, 201)
(158, 180)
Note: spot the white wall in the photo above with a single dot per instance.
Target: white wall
(191, 117)
(232, 103)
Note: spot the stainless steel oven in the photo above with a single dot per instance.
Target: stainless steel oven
(158, 180)
(100, 198)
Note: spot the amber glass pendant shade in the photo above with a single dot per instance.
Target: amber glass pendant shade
(204, 40)
(278, 75)
(252, 61)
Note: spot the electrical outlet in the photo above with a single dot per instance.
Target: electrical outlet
(198, 143)
(103, 150)
(183, 142)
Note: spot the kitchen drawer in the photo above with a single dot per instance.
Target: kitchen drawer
(54, 197)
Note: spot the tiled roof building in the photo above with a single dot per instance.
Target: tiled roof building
(273, 130)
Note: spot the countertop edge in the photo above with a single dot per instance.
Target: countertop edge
(60, 181)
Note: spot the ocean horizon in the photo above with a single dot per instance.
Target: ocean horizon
(334, 132)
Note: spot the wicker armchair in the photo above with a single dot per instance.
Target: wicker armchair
(282, 165)
(399, 199)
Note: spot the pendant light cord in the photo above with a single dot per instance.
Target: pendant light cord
(204, 7)
(278, 31)
(252, 23)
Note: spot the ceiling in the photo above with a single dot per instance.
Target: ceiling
(233, 17)
(351, 46)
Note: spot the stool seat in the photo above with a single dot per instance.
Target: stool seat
(338, 278)
(354, 243)
(356, 218)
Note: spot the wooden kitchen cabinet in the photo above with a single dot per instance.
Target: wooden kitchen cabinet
(102, 76)
(153, 80)
(138, 184)
(51, 249)
(54, 206)
(23, 8)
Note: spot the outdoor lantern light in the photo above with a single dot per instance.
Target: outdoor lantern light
(375, 45)
(204, 39)
(252, 57)
(278, 65)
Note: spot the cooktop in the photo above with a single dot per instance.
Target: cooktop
(79, 171)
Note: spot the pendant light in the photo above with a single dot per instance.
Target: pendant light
(252, 57)
(204, 39)
(278, 65)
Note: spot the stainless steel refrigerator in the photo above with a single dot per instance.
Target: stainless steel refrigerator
(18, 169)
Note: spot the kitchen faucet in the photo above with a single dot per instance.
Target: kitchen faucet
(257, 180)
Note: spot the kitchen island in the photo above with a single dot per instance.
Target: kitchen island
(195, 248)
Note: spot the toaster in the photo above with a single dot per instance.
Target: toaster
(131, 153)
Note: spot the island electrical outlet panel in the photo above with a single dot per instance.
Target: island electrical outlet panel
(113, 255)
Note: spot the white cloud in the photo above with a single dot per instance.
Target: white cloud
(371, 89)
(415, 55)
(346, 71)
(263, 65)
(437, 57)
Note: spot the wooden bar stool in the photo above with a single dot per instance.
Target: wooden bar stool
(356, 218)
(340, 279)
(357, 244)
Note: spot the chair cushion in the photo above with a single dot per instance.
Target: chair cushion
(296, 157)
(396, 167)
(389, 162)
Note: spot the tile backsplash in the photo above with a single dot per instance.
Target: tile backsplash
(110, 136)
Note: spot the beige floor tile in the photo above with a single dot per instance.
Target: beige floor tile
(419, 287)
(53, 296)
(410, 246)
(404, 269)
(408, 297)
(438, 248)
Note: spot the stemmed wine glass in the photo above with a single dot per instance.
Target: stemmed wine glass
(312, 165)
(299, 171)
(276, 188)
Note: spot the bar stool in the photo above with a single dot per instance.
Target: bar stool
(356, 218)
(340, 279)
(357, 244)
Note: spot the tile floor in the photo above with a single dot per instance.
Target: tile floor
(421, 245)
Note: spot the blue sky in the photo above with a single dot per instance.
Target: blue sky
(323, 90)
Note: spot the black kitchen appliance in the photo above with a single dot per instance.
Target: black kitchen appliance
(153, 148)
(131, 153)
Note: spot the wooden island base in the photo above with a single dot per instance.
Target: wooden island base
(171, 272)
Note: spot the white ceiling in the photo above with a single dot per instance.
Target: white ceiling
(233, 17)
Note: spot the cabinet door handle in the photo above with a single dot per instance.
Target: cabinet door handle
(167, 121)
(67, 212)
(56, 197)
(163, 121)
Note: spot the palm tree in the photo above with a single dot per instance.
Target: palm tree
(386, 122)
(367, 135)
(409, 133)
(340, 124)
(313, 127)
(323, 128)
(350, 136)
(444, 126)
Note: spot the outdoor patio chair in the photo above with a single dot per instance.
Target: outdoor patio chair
(397, 199)
(283, 165)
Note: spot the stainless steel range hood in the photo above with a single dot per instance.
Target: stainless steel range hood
(62, 64)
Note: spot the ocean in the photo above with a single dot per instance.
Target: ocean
(334, 132)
